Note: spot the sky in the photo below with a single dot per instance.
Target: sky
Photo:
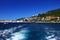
(14, 9)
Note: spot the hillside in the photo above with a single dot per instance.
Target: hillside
(55, 12)
(52, 15)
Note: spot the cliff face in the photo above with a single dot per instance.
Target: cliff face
(50, 15)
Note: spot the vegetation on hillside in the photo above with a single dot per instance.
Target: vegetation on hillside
(42, 17)
(20, 18)
(55, 12)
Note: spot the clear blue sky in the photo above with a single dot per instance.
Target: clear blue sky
(13, 9)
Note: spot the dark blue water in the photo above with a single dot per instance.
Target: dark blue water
(30, 31)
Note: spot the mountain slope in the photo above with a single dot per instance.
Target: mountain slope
(55, 12)
(43, 17)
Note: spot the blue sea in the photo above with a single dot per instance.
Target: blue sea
(30, 31)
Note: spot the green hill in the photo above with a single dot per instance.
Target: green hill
(55, 12)
(42, 17)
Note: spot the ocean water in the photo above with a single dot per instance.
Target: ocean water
(29, 31)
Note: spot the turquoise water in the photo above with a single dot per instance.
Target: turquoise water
(30, 31)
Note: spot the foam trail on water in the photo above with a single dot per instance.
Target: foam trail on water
(51, 37)
(21, 35)
(50, 33)
(4, 33)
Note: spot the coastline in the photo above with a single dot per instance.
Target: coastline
(28, 22)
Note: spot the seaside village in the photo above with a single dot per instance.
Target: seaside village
(36, 19)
